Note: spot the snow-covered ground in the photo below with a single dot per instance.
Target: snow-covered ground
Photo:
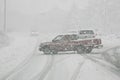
(55, 67)
(76, 67)
(20, 47)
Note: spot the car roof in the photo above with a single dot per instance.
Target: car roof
(68, 34)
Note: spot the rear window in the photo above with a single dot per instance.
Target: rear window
(86, 32)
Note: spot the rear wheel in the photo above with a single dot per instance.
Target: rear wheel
(80, 49)
(88, 49)
(54, 52)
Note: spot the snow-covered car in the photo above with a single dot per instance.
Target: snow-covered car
(69, 43)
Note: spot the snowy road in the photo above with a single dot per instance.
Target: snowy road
(66, 67)
(41, 75)
(32, 68)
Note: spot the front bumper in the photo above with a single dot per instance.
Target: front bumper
(40, 49)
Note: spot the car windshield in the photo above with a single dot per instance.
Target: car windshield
(65, 37)
(59, 37)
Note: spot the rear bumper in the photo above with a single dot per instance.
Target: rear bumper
(98, 46)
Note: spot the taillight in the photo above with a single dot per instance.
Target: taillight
(100, 41)
(97, 41)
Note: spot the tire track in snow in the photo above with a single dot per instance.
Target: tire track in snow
(46, 69)
(77, 71)
(112, 57)
(22, 64)
(110, 68)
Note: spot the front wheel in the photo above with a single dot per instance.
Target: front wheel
(47, 51)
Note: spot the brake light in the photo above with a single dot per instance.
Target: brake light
(100, 41)
(97, 41)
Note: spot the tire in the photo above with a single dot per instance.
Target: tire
(47, 51)
(54, 52)
(89, 49)
(80, 49)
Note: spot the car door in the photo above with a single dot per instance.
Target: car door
(62, 44)
(71, 43)
(66, 43)
(59, 45)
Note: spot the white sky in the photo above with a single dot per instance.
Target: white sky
(40, 6)
(37, 6)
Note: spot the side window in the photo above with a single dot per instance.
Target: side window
(65, 38)
(81, 37)
(74, 37)
(70, 37)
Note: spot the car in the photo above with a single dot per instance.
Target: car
(69, 42)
